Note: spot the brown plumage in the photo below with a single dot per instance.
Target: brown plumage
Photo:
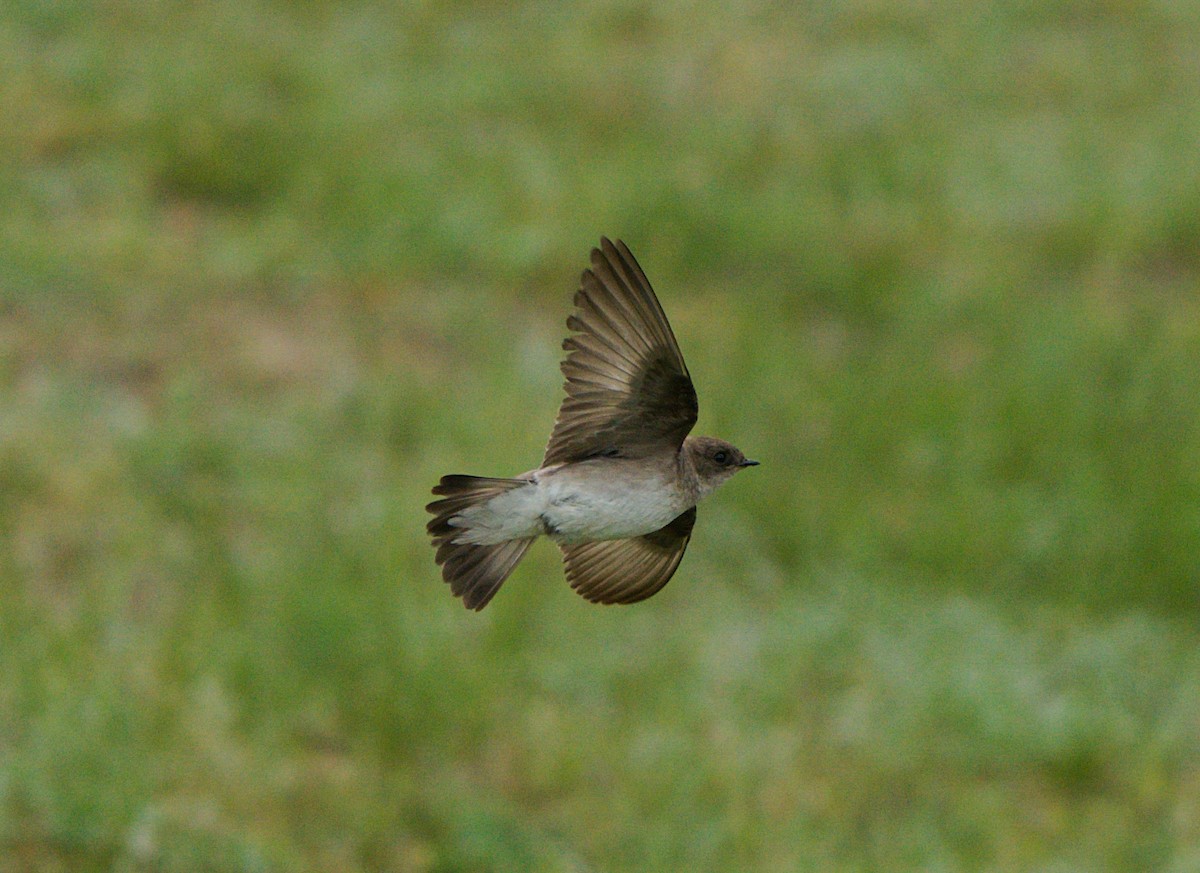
(620, 478)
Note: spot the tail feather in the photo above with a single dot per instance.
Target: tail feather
(474, 572)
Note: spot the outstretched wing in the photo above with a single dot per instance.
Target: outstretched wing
(628, 389)
(626, 571)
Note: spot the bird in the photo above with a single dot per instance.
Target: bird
(621, 476)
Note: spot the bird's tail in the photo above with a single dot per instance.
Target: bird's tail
(474, 572)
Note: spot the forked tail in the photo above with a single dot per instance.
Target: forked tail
(474, 572)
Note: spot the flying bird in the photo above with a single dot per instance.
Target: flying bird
(618, 486)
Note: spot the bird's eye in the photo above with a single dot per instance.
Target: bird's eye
(721, 457)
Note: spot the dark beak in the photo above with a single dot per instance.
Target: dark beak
(748, 463)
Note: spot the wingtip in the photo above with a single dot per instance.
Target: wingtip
(609, 250)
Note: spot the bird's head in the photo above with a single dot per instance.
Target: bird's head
(714, 460)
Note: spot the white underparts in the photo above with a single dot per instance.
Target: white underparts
(575, 503)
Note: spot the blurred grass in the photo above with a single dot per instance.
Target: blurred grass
(267, 270)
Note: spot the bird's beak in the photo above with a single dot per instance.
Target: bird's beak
(748, 463)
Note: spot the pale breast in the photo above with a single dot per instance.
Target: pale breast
(608, 499)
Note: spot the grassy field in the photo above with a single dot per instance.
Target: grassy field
(267, 270)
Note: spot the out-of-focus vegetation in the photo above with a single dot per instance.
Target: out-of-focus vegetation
(268, 269)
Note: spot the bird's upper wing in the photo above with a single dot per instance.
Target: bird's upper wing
(628, 389)
(626, 571)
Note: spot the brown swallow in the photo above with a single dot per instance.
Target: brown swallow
(618, 486)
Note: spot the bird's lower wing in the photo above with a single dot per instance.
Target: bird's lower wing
(629, 570)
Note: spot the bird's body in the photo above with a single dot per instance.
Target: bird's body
(595, 499)
(620, 480)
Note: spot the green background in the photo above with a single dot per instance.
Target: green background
(268, 269)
